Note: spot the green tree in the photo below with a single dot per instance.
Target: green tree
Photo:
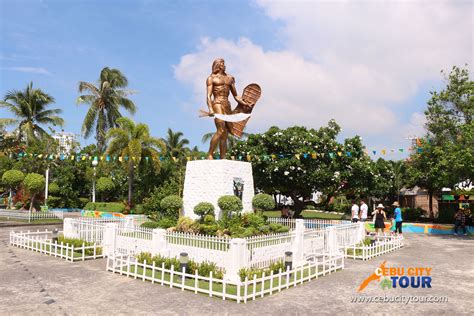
(30, 110)
(104, 102)
(297, 161)
(12, 179)
(133, 142)
(33, 183)
(104, 186)
(446, 156)
(176, 144)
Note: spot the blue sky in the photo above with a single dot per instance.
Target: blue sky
(369, 66)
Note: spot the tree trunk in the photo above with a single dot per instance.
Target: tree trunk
(430, 203)
(298, 206)
(130, 184)
(32, 202)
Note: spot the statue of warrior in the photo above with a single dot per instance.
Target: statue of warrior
(219, 84)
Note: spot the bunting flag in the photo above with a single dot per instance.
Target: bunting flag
(342, 153)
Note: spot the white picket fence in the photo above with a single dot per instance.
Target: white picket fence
(381, 245)
(26, 215)
(309, 223)
(239, 292)
(267, 249)
(40, 241)
(349, 234)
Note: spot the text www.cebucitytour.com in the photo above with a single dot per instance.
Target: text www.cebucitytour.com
(398, 299)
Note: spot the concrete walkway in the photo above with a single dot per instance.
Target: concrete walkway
(38, 284)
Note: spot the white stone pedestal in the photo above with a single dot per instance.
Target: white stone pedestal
(208, 180)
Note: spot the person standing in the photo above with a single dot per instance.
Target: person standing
(380, 218)
(397, 214)
(354, 212)
(364, 209)
(460, 220)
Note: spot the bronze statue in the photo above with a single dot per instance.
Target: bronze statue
(219, 84)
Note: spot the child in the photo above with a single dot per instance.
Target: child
(393, 228)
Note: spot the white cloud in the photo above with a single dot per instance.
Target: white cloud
(31, 70)
(356, 62)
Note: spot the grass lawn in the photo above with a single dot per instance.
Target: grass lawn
(307, 214)
(33, 221)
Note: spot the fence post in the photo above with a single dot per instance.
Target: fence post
(159, 243)
(332, 240)
(129, 223)
(110, 235)
(237, 258)
(68, 228)
(361, 233)
(298, 243)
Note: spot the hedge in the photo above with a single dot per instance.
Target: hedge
(112, 207)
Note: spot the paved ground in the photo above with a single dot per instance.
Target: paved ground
(38, 284)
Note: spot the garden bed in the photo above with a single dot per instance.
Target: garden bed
(68, 249)
(224, 289)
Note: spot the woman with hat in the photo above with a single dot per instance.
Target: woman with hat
(380, 218)
(397, 213)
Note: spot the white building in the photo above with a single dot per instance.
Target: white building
(66, 141)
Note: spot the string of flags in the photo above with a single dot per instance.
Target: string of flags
(299, 156)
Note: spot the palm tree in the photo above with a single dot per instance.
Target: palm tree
(29, 107)
(175, 144)
(132, 142)
(104, 100)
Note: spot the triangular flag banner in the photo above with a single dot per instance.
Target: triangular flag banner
(348, 153)
(314, 155)
(420, 150)
(297, 156)
(305, 155)
(400, 150)
(339, 153)
(374, 152)
(383, 151)
(331, 155)
(120, 158)
(249, 157)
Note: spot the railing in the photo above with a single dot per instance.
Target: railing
(198, 241)
(40, 242)
(349, 234)
(214, 287)
(26, 215)
(308, 222)
(381, 245)
(266, 249)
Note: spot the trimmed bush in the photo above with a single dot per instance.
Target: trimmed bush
(151, 204)
(263, 202)
(104, 185)
(34, 183)
(229, 204)
(151, 225)
(53, 188)
(12, 178)
(171, 205)
(187, 225)
(204, 208)
(111, 207)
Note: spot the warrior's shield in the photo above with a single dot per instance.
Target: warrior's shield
(250, 95)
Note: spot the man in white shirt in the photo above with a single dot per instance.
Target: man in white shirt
(364, 209)
(355, 212)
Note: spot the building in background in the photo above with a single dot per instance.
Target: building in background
(67, 141)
